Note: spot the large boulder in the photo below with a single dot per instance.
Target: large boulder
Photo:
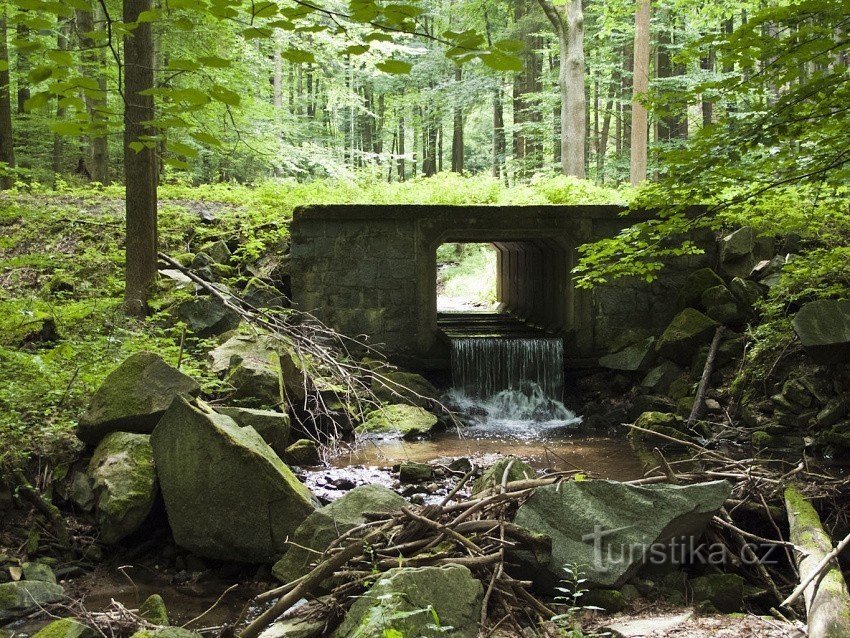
(399, 420)
(66, 628)
(823, 328)
(636, 357)
(407, 601)
(722, 306)
(133, 397)
(609, 529)
(207, 316)
(124, 483)
(227, 494)
(325, 525)
(689, 330)
(260, 294)
(272, 426)
(395, 386)
(302, 453)
(736, 252)
(24, 596)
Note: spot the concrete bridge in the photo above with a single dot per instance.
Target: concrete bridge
(371, 270)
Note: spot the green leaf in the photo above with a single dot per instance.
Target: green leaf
(297, 56)
(63, 58)
(257, 33)
(40, 74)
(225, 95)
(182, 149)
(501, 61)
(176, 163)
(363, 10)
(510, 45)
(378, 36)
(264, 9)
(394, 67)
(215, 62)
(355, 49)
(151, 15)
(183, 65)
(138, 147)
(67, 128)
(36, 101)
(206, 138)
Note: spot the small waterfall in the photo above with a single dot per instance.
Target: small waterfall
(482, 367)
(510, 387)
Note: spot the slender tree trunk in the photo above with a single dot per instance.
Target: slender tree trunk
(457, 131)
(401, 149)
(640, 84)
(527, 149)
(7, 148)
(277, 80)
(499, 142)
(92, 63)
(139, 164)
(23, 70)
(707, 64)
(62, 29)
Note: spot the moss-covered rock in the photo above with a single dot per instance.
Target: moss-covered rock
(295, 627)
(633, 358)
(697, 282)
(218, 251)
(272, 426)
(823, 328)
(124, 483)
(133, 397)
(724, 591)
(611, 600)
(408, 601)
(38, 571)
(395, 386)
(214, 473)
(662, 422)
(638, 519)
(406, 421)
(153, 610)
(24, 596)
(736, 252)
(411, 472)
(686, 333)
(494, 474)
(722, 306)
(207, 316)
(66, 628)
(303, 453)
(325, 525)
(260, 294)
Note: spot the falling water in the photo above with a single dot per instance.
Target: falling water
(510, 387)
(482, 367)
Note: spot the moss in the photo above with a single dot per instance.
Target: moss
(153, 610)
(760, 438)
(686, 333)
(495, 473)
(408, 421)
(66, 628)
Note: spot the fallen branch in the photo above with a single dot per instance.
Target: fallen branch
(699, 401)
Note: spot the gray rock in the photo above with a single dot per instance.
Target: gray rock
(272, 426)
(227, 494)
(263, 295)
(610, 528)
(302, 453)
(395, 386)
(20, 598)
(325, 525)
(409, 601)
(124, 483)
(660, 378)
(38, 571)
(133, 397)
(823, 328)
(746, 292)
(218, 251)
(415, 472)
(722, 306)
(494, 474)
(835, 410)
(637, 357)
(406, 421)
(736, 252)
(688, 330)
(66, 628)
(724, 591)
(207, 316)
(80, 492)
(697, 282)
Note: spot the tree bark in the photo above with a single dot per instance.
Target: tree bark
(62, 28)
(457, 131)
(7, 147)
(23, 69)
(570, 30)
(92, 62)
(527, 150)
(640, 84)
(827, 600)
(139, 165)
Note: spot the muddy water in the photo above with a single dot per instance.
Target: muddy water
(603, 457)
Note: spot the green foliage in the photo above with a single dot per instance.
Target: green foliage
(569, 596)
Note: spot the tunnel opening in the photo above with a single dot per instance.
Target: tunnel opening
(508, 288)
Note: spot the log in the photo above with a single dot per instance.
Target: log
(699, 400)
(821, 581)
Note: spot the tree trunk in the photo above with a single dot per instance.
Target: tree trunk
(62, 29)
(277, 80)
(92, 63)
(23, 69)
(401, 150)
(526, 145)
(499, 142)
(139, 164)
(457, 131)
(7, 148)
(707, 64)
(827, 600)
(640, 84)
(573, 122)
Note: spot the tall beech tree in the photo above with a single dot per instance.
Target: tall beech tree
(640, 85)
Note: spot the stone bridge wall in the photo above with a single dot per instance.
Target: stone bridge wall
(371, 270)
